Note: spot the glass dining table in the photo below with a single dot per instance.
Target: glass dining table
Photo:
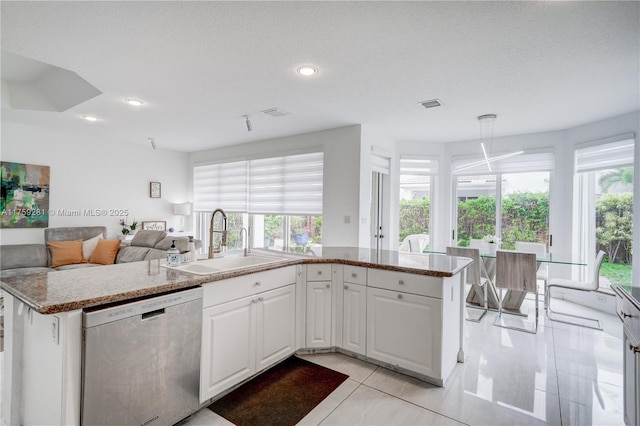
(513, 298)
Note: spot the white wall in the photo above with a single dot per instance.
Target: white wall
(341, 148)
(97, 174)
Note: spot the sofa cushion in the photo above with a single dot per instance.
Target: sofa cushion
(89, 246)
(73, 233)
(182, 243)
(23, 256)
(155, 254)
(145, 238)
(65, 252)
(105, 252)
(131, 254)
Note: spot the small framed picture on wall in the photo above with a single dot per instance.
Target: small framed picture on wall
(155, 225)
(155, 190)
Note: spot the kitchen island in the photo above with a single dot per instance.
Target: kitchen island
(43, 359)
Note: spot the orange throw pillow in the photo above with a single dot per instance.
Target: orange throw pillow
(65, 252)
(105, 252)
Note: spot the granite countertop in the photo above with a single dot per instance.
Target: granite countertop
(61, 291)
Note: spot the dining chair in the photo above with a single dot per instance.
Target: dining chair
(543, 269)
(415, 243)
(516, 271)
(591, 285)
(479, 285)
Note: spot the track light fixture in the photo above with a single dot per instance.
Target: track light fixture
(248, 123)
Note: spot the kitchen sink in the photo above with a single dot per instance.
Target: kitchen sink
(224, 264)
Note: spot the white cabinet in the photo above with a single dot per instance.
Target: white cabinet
(319, 307)
(404, 330)
(629, 313)
(241, 337)
(354, 309)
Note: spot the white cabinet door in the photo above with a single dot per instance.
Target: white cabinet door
(631, 383)
(318, 325)
(405, 330)
(228, 346)
(276, 315)
(354, 317)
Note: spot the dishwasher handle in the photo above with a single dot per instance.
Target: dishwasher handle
(151, 315)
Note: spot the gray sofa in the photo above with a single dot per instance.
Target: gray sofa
(20, 259)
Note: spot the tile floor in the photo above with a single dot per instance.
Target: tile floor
(563, 375)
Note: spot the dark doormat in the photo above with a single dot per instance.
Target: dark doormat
(281, 396)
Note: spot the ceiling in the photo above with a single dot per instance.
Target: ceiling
(200, 66)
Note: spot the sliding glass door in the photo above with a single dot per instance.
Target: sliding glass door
(511, 201)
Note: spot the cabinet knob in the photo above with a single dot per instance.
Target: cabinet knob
(400, 297)
(258, 283)
(319, 272)
(634, 349)
(328, 285)
(353, 275)
(346, 287)
(260, 299)
(625, 315)
(401, 282)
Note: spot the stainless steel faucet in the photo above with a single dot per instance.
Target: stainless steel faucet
(245, 246)
(223, 231)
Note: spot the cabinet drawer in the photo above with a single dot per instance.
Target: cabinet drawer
(630, 317)
(223, 291)
(319, 272)
(422, 285)
(355, 274)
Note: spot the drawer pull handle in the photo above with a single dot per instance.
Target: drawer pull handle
(257, 284)
(328, 286)
(346, 287)
(401, 282)
(624, 315)
(400, 297)
(319, 272)
(634, 349)
(353, 275)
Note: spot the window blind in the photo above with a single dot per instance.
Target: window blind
(290, 185)
(526, 162)
(220, 186)
(418, 166)
(286, 185)
(606, 155)
(380, 163)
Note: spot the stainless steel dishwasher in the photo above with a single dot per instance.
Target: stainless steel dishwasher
(141, 361)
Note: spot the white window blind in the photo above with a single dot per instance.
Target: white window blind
(279, 185)
(286, 185)
(220, 186)
(418, 166)
(606, 155)
(380, 163)
(526, 162)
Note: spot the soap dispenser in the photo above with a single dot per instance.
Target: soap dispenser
(173, 255)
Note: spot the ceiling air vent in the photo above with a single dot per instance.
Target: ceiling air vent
(275, 112)
(431, 104)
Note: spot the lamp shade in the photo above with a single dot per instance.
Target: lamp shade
(183, 209)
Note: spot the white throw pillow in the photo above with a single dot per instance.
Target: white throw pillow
(89, 246)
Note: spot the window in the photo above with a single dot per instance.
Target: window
(512, 201)
(416, 179)
(279, 199)
(603, 205)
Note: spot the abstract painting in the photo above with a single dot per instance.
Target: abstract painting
(25, 195)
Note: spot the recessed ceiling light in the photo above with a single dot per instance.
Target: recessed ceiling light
(134, 102)
(90, 118)
(307, 70)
